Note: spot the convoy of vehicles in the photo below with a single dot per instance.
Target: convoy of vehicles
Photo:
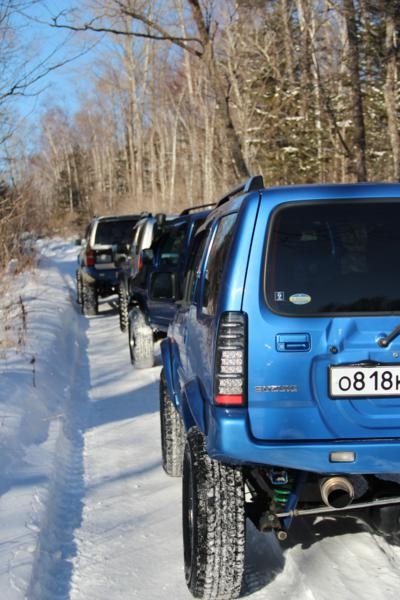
(280, 386)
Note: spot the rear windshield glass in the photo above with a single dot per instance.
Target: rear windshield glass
(114, 232)
(337, 257)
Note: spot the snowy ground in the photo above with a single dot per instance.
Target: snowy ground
(86, 511)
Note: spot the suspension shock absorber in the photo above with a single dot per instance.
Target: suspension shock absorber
(280, 489)
(287, 489)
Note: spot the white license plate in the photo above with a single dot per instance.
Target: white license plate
(364, 381)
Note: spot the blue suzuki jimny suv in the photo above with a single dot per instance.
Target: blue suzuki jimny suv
(280, 392)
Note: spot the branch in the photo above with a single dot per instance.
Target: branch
(33, 76)
(182, 42)
(199, 20)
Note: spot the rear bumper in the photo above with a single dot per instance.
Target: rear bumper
(229, 440)
(106, 280)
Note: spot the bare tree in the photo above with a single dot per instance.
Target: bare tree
(392, 22)
(202, 46)
(358, 143)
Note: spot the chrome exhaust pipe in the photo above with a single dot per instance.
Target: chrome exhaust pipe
(337, 492)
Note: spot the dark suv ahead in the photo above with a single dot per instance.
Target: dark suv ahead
(154, 292)
(280, 393)
(146, 230)
(106, 240)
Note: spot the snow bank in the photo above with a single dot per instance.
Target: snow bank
(35, 364)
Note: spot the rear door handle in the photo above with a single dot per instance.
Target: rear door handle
(293, 342)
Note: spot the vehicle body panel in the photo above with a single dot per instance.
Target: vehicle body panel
(309, 412)
(290, 419)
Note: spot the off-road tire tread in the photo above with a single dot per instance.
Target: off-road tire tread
(217, 564)
(78, 287)
(123, 307)
(142, 350)
(89, 299)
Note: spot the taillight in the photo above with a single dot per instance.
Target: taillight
(90, 258)
(140, 262)
(230, 361)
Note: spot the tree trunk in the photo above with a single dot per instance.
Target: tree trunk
(304, 12)
(237, 163)
(390, 91)
(287, 39)
(358, 143)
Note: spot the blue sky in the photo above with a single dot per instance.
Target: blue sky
(62, 86)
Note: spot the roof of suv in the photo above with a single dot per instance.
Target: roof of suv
(303, 192)
(117, 217)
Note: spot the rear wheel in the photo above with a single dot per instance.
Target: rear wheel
(122, 306)
(78, 287)
(213, 523)
(141, 344)
(172, 433)
(89, 299)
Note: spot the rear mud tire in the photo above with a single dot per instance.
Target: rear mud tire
(213, 523)
(90, 304)
(141, 344)
(123, 307)
(78, 287)
(172, 433)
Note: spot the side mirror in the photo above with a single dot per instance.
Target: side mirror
(79, 242)
(164, 286)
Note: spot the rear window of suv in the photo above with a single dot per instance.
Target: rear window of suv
(334, 257)
(114, 232)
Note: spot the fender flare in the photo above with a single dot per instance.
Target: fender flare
(194, 411)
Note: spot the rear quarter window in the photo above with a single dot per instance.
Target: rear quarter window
(216, 262)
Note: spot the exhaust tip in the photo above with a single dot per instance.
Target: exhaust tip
(337, 492)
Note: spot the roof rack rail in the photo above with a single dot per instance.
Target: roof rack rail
(191, 208)
(251, 185)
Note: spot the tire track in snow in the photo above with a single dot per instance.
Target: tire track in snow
(52, 570)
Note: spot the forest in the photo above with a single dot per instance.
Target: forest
(188, 97)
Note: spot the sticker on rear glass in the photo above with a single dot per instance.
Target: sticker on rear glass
(300, 299)
(279, 296)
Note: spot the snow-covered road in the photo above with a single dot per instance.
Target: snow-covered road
(86, 510)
